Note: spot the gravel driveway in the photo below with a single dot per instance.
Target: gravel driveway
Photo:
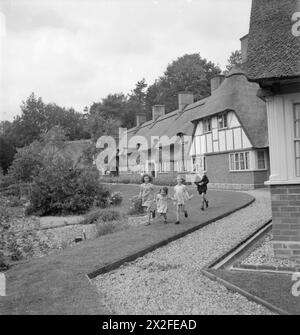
(169, 280)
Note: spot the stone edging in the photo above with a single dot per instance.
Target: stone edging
(143, 252)
(206, 272)
(265, 268)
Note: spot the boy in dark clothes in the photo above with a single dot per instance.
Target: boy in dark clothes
(202, 189)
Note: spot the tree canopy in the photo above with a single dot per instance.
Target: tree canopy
(234, 59)
(187, 73)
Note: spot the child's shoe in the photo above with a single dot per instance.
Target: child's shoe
(177, 222)
(186, 214)
(202, 208)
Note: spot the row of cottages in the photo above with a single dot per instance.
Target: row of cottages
(224, 134)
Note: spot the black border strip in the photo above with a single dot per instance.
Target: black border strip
(133, 257)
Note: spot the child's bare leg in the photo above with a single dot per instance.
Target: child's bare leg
(204, 201)
(149, 215)
(178, 214)
(184, 211)
(165, 217)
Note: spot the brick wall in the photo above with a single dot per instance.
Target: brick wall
(286, 220)
(219, 174)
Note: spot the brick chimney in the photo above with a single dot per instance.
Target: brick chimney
(184, 99)
(244, 48)
(157, 111)
(216, 81)
(140, 119)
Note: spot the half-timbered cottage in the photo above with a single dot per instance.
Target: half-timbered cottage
(224, 134)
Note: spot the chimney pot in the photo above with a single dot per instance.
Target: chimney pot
(140, 119)
(215, 82)
(157, 111)
(184, 99)
(244, 48)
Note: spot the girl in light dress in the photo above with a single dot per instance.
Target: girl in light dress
(162, 203)
(180, 196)
(147, 196)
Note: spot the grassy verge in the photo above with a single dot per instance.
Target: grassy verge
(57, 284)
(274, 288)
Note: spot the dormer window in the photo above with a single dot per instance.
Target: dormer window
(222, 120)
(207, 125)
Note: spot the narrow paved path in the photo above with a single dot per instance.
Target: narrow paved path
(169, 280)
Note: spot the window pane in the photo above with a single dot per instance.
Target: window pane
(297, 120)
(237, 165)
(298, 167)
(231, 162)
(247, 160)
(225, 120)
(261, 160)
(297, 154)
(297, 146)
(242, 161)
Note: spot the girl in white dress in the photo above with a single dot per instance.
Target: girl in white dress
(180, 196)
(147, 195)
(162, 203)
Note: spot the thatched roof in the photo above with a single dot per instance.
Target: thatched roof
(273, 51)
(237, 94)
(170, 124)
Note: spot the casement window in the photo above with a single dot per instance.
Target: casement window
(198, 163)
(261, 160)
(297, 137)
(207, 125)
(222, 120)
(239, 161)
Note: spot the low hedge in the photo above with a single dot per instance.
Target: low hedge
(164, 180)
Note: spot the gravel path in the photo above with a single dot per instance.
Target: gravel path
(264, 255)
(169, 280)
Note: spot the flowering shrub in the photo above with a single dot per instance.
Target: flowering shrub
(60, 188)
(136, 206)
(116, 198)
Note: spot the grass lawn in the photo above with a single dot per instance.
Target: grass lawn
(273, 288)
(57, 284)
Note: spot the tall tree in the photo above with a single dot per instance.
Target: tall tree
(136, 104)
(187, 73)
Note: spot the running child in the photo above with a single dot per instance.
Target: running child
(162, 203)
(202, 189)
(147, 196)
(180, 196)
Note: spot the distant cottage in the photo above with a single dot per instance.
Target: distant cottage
(225, 135)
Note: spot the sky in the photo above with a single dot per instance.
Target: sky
(76, 52)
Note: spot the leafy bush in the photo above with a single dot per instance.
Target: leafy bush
(14, 201)
(60, 188)
(116, 198)
(4, 227)
(17, 190)
(109, 215)
(26, 163)
(136, 207)
(109, 227)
